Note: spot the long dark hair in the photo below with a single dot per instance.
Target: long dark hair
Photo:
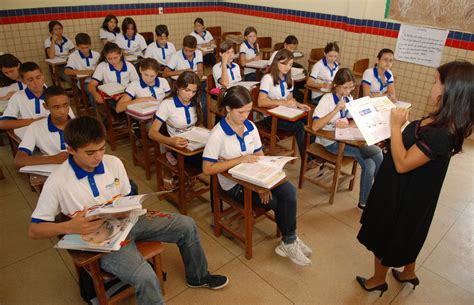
(281, 55)
(126, 22)
(7, 61)
(235, 97)
(189, 78)
(455, 110)
(342, 76)
(107, 19)
(109, 47)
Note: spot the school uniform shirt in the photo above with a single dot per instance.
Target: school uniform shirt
(250, 52)
(161, 54)
(202, 38)
(139, 88)
(372, 78)
(14, 87)
(78, 61)
(178, 117)
(44, 135)
(280, 91)
(24, 105)
(225, 144)
(134, 46)
(179, 61)
(70, 189)
(109, 36)
(106, 73)
(232, 69)
(323, 74)
(327, 104)
(62, 48)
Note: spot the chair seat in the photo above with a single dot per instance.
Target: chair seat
(318, 150)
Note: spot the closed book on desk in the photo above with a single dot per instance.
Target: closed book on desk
(197, 137)
(41, 169)
(112, 89)
(287, 113)
(56, 60)
(143, 109)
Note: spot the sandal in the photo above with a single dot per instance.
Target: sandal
(171, 159)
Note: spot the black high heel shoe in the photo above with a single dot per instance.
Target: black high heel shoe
(382, 288)
(415, 281)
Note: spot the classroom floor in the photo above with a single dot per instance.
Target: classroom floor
(33, 272)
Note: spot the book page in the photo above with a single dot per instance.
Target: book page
(258, 174)
(41, 169)
(349, 133)
(112, 88)
(196, 134)
(247, 85)
(275, 161)
(287, 112)
(57, 60)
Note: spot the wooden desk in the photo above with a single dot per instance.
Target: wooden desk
(115, 123)
(37, 182)
(183, 194)
(141, 155)
(266, 52)
(82, 103)
(53, 64)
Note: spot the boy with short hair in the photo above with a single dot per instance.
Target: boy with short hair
(89, 178)
(47, 133)
(161, 49)
(186, 59)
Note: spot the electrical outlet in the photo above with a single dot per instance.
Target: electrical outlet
(160, 11)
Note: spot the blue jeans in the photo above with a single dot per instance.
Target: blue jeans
(370, 166)
(283, 202)
(130, 267)
(251, 77)
(297, 127)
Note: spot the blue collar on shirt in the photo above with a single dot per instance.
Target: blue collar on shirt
(325, 62)
(53, 128)
(387, 78)
(163, 53)
(282, 85)
(31, 96)
(178, 104)
(129, 41)
(230, 132)
(20, 85)
(152, 88)
(61, 45)
(80, 173)
(336, 100)
(250, 47)
(86, 57)
(230, 68)
(191, 62)
(117, 73)
(202, 35)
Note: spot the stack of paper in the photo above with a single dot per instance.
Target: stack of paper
(143, 109)
(287, 112)
(112, 89)
(42, 169)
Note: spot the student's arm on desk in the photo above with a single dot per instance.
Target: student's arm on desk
(212, 168)
(266, 102)
(16, 123)
(93, 90)
(404, 160)
(78, 224)
(23, 159)
(155, 135)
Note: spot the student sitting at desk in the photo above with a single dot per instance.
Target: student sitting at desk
(63, 46)
(379, 80)
(181, 112)
(186, 59)
(323, 72)
(88, 178)
(47, 133)
(112, 68)
(10, 80)
(249, 51)
(109, 30)
(83, 61)
(204, 39)
(276, 88)
(26, 106)
(226, 72)
(330, 113)
(290, 43)
(149, 87)
(161, 49)
(130, 41)
(235, 140)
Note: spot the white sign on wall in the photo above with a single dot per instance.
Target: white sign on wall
(420, 45)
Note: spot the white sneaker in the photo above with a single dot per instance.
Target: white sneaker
(293, 252)
(304, 247)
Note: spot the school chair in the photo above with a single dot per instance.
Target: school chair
(331, 174)
(238, 218)
(216, 32)
(212, 107)
(235, 36)
(81, 101)
(149, 38)
(14, 141)
(265, 46)
(142, 153)
(360, 66)
(357, 93)
(115, 123)
(53, 72)
(314, 56)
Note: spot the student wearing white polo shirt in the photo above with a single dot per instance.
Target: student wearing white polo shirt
(149, 87)
(90, 178)
(323, 72)
(330, 113)
(10, 79)
(112, 68)
(290, 43)
(204, 39)
(161, 49)
(249, 51)
(276, 88)
(109, 30)
(63, 46)
(131, 42)
(379, 80)
(180, 112)
(186, 59)
(83, 61)
(46, 134)
(226, 72)
(235, 140)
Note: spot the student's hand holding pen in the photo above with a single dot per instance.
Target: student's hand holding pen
(80, 224)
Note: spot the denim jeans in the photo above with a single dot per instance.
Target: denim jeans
(283, 202)
(297, 127)
(130, 267)
(251, 77)
(370, 166)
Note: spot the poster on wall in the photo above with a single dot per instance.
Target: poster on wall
(420, 45)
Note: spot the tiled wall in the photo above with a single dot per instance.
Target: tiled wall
(357, 36)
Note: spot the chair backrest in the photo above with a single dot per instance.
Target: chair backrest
(316, 54)
(264, 42)
(148, 37)
(216, 31)
(357, 91)
(278, 46)
(360, 66)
